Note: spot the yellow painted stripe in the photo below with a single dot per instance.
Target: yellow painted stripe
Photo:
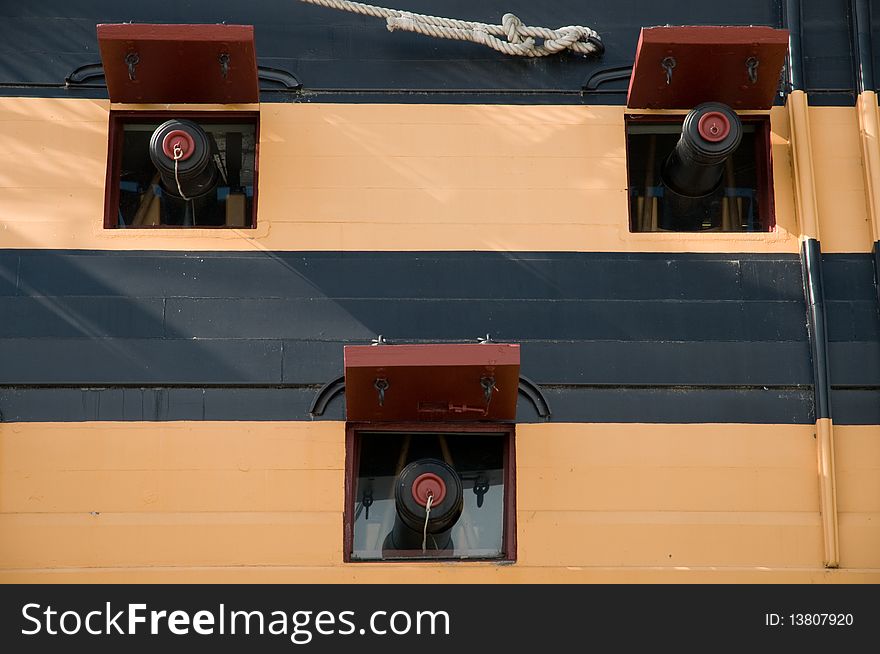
(857, 459)
(203, 495)
(667, 488)
(658, 445)
(556, 173)
(353, 215)
(460, 573)
(859, 540)
(843, 218)
(857, 462)
(436, 175)
(119, 446)
(373, 177)
(161, 491)
(546, 538)
(671, 538)
(197, 539)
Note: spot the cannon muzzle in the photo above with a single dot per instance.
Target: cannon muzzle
(417, 482)
(185, 143)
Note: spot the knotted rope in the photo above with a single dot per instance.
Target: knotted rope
(520, 38)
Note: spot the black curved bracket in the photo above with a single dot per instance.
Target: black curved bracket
(331, 389)
(607, 75)
(532, 391)
(81, 75)
(324, 396)
(287, 79)
(84, 73)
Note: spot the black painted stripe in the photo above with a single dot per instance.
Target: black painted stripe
(876, 257)
(568, 404)
(378, 274)
(608, 336)
(855, 406)
(852, 309)
(236, 362)
(328, 49)
(849, 277)
(854, 364)
(341, 57)
(507, 320)
(818, 98)
(627, 405)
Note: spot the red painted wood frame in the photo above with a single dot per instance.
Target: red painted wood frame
(352, 464)
(118, 120)
(763, 164)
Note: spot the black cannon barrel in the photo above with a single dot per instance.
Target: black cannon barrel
(693, 171)
(417, 481)
(710, 134)
(197, 173)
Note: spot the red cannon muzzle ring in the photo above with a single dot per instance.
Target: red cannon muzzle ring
(714, 126)
(428, 484)
(179, 138)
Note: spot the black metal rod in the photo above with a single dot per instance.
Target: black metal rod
(861, 40)
(607, 75)
(795, 49)
(327, 392)
(817, 329)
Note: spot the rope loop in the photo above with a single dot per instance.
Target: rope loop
(427, 515)
(178, 154)
(516, 38)
(513, 26)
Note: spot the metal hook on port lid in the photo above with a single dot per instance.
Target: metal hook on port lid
(488, 384)
(668, 64)
(752, 67)
(381, 384)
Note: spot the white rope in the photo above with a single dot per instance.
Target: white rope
(425, 530)
(178, 154)
(520, 38)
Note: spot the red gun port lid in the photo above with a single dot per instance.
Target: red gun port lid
(437, 382)
(681, 67)
(214, 64)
